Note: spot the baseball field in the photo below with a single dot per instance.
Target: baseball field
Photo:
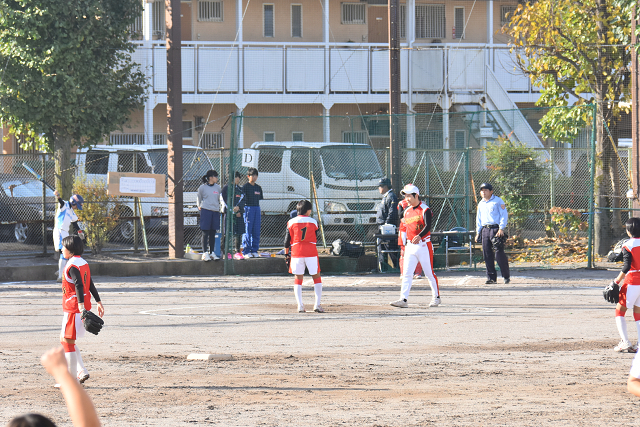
(536, 352)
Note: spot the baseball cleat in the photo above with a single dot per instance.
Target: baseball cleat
(507, 281)
(83, 377)
(402, 303)
(490, 282)
(435, 302)
(625, 347)
(318, 309)
(301, 310)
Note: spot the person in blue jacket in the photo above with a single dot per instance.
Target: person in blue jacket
(251, 205)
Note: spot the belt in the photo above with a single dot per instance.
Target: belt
(633, 271)
(491, 226)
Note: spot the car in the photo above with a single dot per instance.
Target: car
(21, 208)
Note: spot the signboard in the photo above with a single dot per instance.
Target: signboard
(250, 158)
(135, 184)
(486, 132)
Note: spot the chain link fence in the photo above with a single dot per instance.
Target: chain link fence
(337, 162)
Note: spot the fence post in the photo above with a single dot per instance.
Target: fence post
(551, 178)
(231, 189)
(592, 188)
(44, 205)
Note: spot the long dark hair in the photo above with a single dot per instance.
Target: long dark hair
(211, 172)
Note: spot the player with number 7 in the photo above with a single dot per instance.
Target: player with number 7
(301, 253)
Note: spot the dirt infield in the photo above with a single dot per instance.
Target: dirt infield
(536, 352)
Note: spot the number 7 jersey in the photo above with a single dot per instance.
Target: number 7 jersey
(302, 236)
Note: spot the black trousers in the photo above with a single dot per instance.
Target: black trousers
(208, 240)
(491, 256)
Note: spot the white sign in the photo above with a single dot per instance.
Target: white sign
(250, 158)
(486, 132)
(137, 185)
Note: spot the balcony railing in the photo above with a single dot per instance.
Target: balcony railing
(308, 68)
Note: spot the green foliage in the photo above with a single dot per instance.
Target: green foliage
(100, 212)
(516, 172)
(566, 222)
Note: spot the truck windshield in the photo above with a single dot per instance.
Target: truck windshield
(350, 163)
(195, 163)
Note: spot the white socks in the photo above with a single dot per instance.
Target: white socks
(72, 363)
(81, 367)
(317, 289)
(297, 290)
(622, 328)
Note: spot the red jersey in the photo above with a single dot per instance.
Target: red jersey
(69, 299)
(402, 205)
(414, 221)
(633, 275)
(302, 230)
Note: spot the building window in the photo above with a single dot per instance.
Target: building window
(430, 21)
(135, 29)
(297, 136)
(355, 137)
(210, 11)
(458, 22)
(402, 22)
(269, 136)
(296, 20)
(354, 13)
(187, 129)
(267, 11)
(506, 13)
(460, 140)
(158, 19)
(126, 139)
(212, 140)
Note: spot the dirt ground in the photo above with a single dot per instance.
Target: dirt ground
(535, 352)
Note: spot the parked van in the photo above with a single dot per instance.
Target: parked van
(346, 179)
(96, 162)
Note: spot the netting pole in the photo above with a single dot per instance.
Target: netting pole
(231, 189)
(467, 186)
(44, 205)
(552, 198)
(592, 189)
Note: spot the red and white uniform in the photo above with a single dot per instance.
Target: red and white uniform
(630, 290)
(422, 252)
(402, 238)
(71, 323)
(302, 237)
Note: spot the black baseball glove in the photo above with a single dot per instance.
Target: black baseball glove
(611, 293)
(92, 322)
(499, 241)
(287, 259)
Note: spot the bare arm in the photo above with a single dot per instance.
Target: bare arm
(79, 405)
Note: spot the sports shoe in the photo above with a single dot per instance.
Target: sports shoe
(255, 254)
(83, 377)
(301, 310)
(206, 257)
(214, 257)
(417, 276)
(402, 303)
(238, 256)
(248, 255)
(318, 309)
(56, 385)
(624, 347)
(490, 282)
(507, 281)
(435, 302)
(634, 347)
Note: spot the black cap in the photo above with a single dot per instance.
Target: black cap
(384, 182)
(487, 186)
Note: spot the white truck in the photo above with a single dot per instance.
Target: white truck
(96, 162)
(346, 179)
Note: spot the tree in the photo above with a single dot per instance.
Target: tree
(580, 49)
(67, 78)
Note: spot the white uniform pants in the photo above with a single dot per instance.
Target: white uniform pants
(413, 254)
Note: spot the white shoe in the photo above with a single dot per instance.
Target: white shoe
(255, 254)
(206, 257)
(301, 310)
(402, 303)
(624, 347)
(248, 255)
(214, 257)
(435, 302)
(318, 309)
(82, 377)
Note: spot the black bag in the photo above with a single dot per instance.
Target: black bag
(351, 249)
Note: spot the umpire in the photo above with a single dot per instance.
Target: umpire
(491, 220)
(387, 213)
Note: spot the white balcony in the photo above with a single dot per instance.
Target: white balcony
(307, 72)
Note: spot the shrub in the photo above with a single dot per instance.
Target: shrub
(566, 222)
(100, 212)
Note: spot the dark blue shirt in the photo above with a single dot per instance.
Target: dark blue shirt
(238, 195)
(252, 195)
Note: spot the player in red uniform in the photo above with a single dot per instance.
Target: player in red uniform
(417, 220)
(300, 251)
(630, 291)
(77, 289)
(402, 239)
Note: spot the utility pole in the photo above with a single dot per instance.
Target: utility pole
(635, 111)
(394, 96)
(174, 129)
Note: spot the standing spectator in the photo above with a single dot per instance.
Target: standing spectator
(491, 220)
(417, 219)
(237, 221)
(209, 205)
(251, 205)
(388, 214)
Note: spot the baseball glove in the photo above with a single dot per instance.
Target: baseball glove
(287, 259)
(498, 242)
(611, 293)
(92, 323)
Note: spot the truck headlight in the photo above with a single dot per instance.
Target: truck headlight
(334, 207)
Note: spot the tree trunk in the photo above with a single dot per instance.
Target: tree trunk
(617, 193)
(64, 171)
